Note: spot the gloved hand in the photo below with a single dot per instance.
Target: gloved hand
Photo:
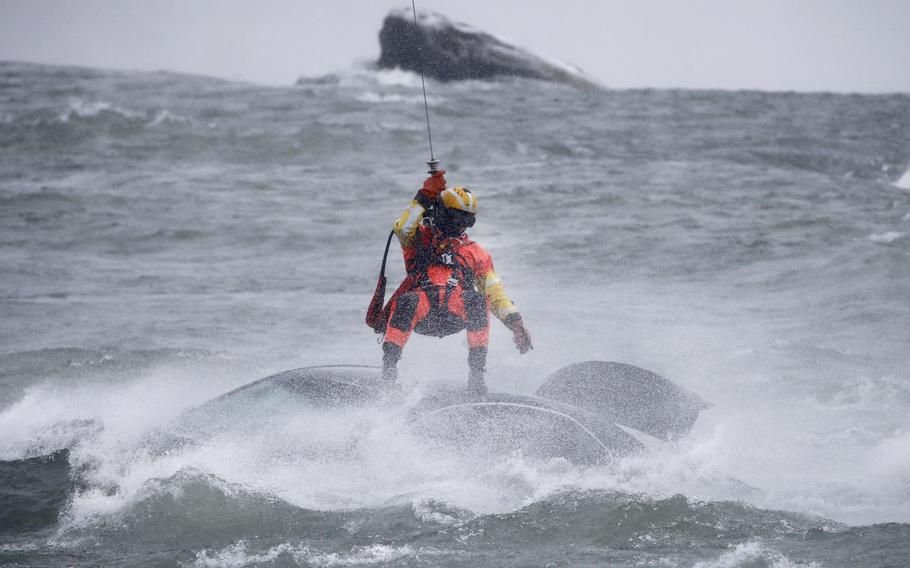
(433, 185)
(520, 334)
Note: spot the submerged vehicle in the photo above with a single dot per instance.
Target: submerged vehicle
(586, 413)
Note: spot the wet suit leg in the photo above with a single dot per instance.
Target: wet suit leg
(476, 315)
(478, 327)
(411, 308)
(408, 309)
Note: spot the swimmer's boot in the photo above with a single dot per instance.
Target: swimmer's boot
(477, 360)
(391, 353)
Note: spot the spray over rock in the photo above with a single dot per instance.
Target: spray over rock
(446, 50)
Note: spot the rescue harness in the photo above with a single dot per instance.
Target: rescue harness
(440, 322)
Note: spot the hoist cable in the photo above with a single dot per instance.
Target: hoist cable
(426, 107)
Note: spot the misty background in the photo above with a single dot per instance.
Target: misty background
(811, 45)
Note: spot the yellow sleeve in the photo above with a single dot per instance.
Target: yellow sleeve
(406, 226)
(500, 304)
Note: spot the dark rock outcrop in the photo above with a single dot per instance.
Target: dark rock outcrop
(451, 51)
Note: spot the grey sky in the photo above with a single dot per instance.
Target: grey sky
(834, 45)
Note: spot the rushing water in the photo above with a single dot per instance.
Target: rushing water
(165, 238)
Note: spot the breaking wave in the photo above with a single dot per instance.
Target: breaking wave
(904, 181)
(78, 108)
(79, 112)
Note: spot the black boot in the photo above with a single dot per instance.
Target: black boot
(477, 360)
(390, 355)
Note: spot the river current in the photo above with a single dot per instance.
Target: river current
(165, 238)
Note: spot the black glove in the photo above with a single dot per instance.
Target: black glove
(520, 334)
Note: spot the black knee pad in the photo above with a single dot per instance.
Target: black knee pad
(405, 308)
(475, 307)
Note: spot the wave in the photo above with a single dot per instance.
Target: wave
(374, 97)
(753, 553)
(33, 492)
(904, 181)
(357, 458)
(37, 197)
(816, 156)
(167, 117)
(365, 74)
(208, 504)
(887, 237)
(59, 398)
(79, 113)
(78, 108)
(241, 554)
(191, 507)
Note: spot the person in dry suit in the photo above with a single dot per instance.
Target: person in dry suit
(450, 284)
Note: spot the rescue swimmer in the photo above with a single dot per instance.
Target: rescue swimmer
(450, 284)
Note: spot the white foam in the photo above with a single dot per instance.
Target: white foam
(48, 417)
(433, 20)
(360, 555)
(904, 181)
(509, 48)
(104, 424)
(238, 555)
(360, 77)
(369, 457)
(167, 117)
(424, 511)
(752, 553)
(78, 108)
(372, 97)
(886, 237)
